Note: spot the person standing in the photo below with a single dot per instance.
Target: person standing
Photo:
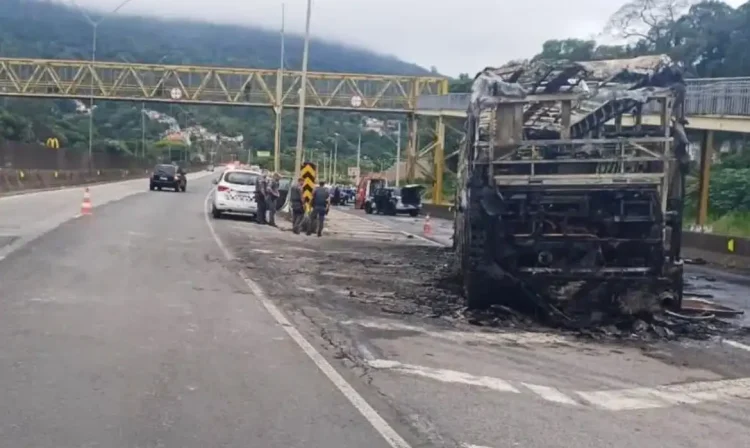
(260, 197)
(297, 204)
(320, 201)
(272, 196)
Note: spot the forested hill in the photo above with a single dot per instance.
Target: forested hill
(44, 29)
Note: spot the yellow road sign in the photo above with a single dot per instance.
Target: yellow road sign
(307, 173)
(53, 143)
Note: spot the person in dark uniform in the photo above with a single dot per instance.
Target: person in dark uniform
(272, 195)
(320, 200)
(260, 198)
(298, 206)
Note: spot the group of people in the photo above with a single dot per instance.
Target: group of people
(318, 207)
(267, 196)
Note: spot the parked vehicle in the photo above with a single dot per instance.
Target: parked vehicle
(235, 193)
(395, 200)
(168, 176)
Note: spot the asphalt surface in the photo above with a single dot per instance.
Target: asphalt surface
(128, 328)
(149, 324)
(459, 385)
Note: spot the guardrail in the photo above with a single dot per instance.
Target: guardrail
(704, 96)
(721, 250)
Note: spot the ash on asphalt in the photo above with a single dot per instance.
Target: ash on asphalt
(356, 277)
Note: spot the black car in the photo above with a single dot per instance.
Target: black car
(391, 201)
(168, 176)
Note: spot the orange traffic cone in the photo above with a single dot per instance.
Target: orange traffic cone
(86, 204)
(427, 229)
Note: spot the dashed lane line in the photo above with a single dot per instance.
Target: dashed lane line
(637, 398)
(550, 394)
(372, 223)
(521, 337)
(445, 375)
(368, 412)
(670, 395)
(736, 344)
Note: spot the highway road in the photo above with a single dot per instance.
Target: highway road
(150, 324)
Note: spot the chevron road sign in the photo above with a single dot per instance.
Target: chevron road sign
(307, 173)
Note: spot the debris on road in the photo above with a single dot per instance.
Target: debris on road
(361, 277)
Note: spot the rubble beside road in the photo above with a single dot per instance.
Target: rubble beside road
(416, 281)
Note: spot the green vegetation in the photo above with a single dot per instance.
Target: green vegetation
(42, 29)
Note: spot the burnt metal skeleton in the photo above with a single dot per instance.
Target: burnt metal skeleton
(558, 201)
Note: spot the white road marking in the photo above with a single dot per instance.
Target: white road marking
(371, 415)
(523, 337)
(550, 394)
(445, 375)
(407, 234)
(664, 396)
(469, 445)
(736, 344)
(609, 400)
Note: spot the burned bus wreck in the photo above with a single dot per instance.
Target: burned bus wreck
(561, 206)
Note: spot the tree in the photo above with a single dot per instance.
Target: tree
(651, 21)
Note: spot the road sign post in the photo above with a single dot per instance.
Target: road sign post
(308, 174)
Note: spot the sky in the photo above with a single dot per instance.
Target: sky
(454, 36)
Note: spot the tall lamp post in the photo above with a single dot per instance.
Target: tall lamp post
(302, 93)
(143, 109)
(95, 25)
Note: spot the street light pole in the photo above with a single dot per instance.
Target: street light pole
(143, 129)
(335, 157)
(359, 154)
(398, 154)
(95, 26)
(279, 108)
(330, 166)
(302, 94)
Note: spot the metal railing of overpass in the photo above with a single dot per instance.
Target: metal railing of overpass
(704, 96)
(44, 78)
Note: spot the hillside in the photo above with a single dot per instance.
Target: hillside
(51, 30)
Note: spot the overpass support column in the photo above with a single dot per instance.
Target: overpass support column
(439, 161)
(707, 149)
(277, 141)
(411, 148)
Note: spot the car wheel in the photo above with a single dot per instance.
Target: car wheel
(413, 213)
(151, 187)
(368, 209)
(215, 212)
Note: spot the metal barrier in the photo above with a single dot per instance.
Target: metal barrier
(705, 96)
(719, 249)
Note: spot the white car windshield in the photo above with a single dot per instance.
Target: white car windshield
(240, 178)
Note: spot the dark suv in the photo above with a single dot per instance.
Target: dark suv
(168, 176)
